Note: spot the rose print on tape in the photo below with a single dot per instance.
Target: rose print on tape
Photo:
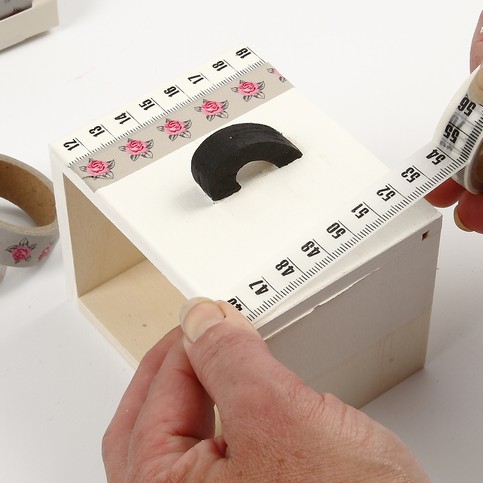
(250, 89)
(22, 252)
(98, 169)
(137, 148)
(212, 109)
(45, 252)
(273, 71)
(175, 128)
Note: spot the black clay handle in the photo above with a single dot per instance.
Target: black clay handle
(220, 156)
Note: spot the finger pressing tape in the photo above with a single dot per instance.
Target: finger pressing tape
(30, 190)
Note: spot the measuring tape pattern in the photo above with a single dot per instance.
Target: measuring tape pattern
(243, 79)
(196, 114)
(460, 136)
(456, 142)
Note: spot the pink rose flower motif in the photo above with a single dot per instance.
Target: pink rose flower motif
(22, 252)
(212, 109)
(281, 78)
(137, 148)
(98, 169)
(175, 128)
(250, 89)
(45, 252)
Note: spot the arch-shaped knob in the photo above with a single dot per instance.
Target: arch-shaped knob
(217, 160)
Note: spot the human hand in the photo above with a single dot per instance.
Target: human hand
(468, 213)
(274, 427)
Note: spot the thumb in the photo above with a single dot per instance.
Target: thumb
(235, 366)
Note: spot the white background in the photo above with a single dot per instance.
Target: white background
(384, 72)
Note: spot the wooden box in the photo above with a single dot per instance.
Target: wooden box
(137, 246)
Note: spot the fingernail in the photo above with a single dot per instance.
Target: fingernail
(458, 221)
(198, 315)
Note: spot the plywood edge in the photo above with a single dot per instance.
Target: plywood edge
(134, 309)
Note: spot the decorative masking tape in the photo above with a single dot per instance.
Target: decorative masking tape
(203, 102)
(463, 123)
(30, 190)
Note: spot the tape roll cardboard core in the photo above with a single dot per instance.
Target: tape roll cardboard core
(31, 191)
(28, 191)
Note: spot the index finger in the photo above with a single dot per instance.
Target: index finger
(115, 443)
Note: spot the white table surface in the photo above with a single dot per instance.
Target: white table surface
(383, 71)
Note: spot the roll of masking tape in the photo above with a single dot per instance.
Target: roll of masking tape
(30, 190)
(466, 121)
